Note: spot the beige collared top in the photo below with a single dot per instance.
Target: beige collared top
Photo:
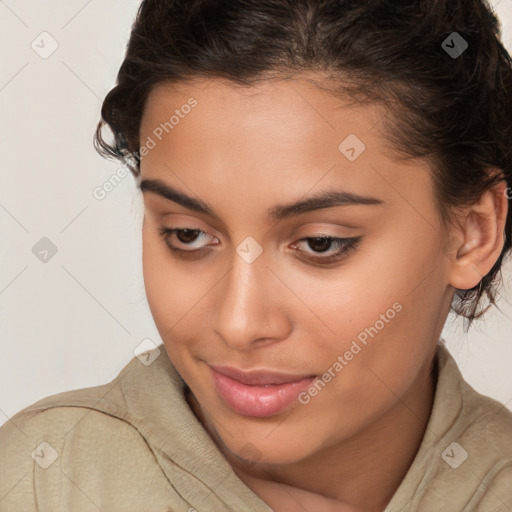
(134, 445)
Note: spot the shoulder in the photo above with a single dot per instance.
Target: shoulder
(73, 428)
(76, 449)
(463, 411)
(61, 455)
(485, 426)
(485, 437)
(472, 456)
(498, 495)
(465, 457)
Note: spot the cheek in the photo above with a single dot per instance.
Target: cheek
(156, 275)
(176, 296)
(347, 301)
(381, 316)
(168, 291)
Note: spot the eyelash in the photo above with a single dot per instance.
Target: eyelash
(345, 245)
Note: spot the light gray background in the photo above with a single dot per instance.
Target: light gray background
(74, 321)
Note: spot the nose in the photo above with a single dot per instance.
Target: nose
(249, 306)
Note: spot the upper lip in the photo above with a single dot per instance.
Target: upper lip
(259, 377)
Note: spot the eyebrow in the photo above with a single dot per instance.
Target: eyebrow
(325, 199)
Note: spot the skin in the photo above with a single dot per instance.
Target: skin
(244, 151)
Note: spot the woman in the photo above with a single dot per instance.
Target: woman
(322, 182)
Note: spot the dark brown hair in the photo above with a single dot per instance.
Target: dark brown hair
(448, 103)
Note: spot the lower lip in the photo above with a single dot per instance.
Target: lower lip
(258, 401)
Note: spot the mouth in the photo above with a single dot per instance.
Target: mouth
(258, 393)
(259, 377)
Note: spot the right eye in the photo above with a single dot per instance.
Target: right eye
(186, 237)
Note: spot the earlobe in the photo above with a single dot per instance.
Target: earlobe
(478, 242)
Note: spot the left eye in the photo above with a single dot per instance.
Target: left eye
(322, 244)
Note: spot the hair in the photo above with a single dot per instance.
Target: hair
(454, 111)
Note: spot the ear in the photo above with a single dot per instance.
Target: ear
(477, 242)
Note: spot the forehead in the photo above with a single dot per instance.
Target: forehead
(274, 116)
(278, 137)
(308, 96)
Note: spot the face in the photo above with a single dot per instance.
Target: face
(318, 318)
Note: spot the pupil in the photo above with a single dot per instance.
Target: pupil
(189, 238)
(322, 241)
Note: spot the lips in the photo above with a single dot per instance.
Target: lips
(259, 378)
(258, 393)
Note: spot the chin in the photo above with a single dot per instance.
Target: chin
(273, 449)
